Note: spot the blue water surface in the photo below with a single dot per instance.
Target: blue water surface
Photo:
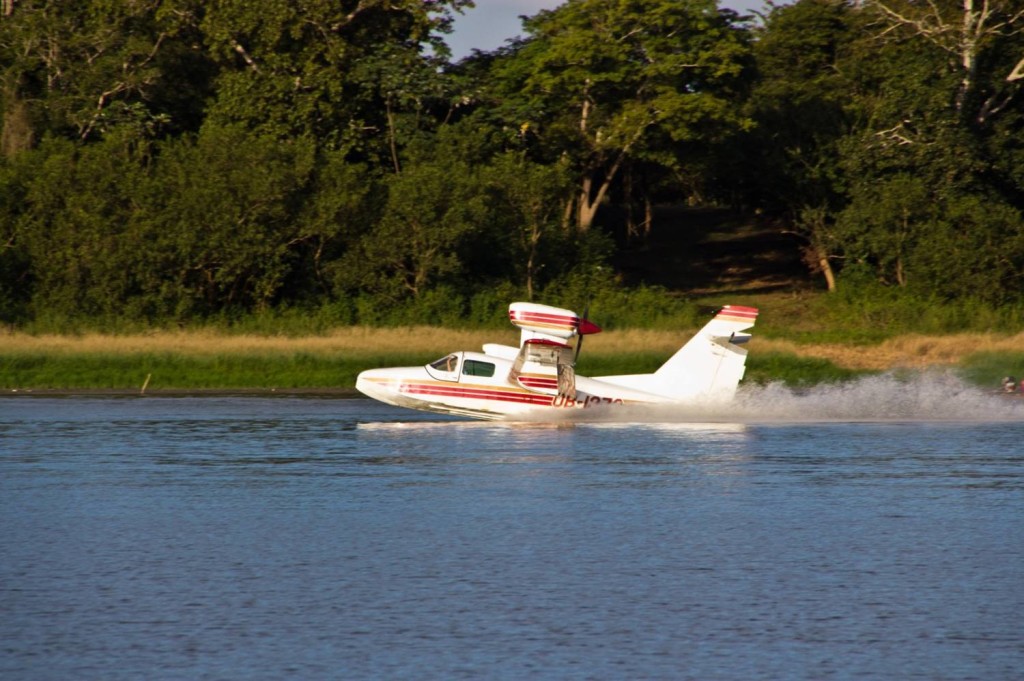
(325, 538)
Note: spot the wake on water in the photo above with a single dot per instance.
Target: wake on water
(933, 395)
(921, 396)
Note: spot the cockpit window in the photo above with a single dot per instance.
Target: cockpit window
(449, 363)
(472, 367)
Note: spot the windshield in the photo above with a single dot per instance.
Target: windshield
(448, 363)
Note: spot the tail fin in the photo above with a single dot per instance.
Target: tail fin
(709, 366)
(712, 362)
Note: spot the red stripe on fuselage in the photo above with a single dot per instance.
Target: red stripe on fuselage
(474, 393)
(535, 382)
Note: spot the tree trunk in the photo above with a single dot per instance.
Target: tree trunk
(826, 269)
(570, 204)
(392, 142)
(588, 208)
(534, 240)
(17, 134)
(648, 217)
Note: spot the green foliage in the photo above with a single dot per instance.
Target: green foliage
(524, 201)
(794, 371)
(604, 82)
(948, 248)
(76, 227)
(222, 219)
(432, 210)
(643, 307)
(168, 371)
(800, 103)
(268, 165)
(15, 264)
(987, 369)
(336, 73)
(866, 311)
(312, 371)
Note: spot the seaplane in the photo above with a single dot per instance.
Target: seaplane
(537, 381)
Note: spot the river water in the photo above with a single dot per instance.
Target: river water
(869, 531)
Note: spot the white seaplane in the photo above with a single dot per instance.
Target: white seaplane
(538, 381)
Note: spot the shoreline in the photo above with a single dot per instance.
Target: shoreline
(183, 364)
(344, 393)
(373, 344)
(314, 393)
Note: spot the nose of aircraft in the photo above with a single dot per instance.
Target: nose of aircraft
(373, 382)
(387, 384)
(384, 384)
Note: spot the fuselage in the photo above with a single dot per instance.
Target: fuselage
(478, 385)
(538, 380)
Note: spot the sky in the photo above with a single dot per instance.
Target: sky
(492, 22)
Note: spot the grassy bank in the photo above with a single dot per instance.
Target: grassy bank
(206, 360)
(212, 361)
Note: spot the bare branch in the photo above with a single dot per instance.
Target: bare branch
(895, 134)
(1017, 73)
(350, 17)
(245, 55)
(928, 27)
(965, 39)
(993, 105)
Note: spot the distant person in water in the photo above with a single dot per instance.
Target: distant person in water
(1009, 384)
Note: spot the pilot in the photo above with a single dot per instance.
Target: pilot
(450, 364)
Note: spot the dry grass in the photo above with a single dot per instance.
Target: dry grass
(913, 351)
(344, 341)
(358, 340)
(910, 351)
(904, 351)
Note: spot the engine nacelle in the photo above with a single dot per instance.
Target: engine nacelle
(546, 323)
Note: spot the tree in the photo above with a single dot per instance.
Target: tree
(969, 31)
(15, 279)
(76, 228)
(606, 81)
(220, 217)
(954, 246)
(974, 250)
(803, 105)
(885, 223)
(433, 209)
(341, 201)
(79, 69)
(336, 73)
(525, 200)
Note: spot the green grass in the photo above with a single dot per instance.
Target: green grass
(622, 363)
(190, 372)
(988, 368)
(795, 371)
(170, 371)
(851, 318)
(761, 367)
